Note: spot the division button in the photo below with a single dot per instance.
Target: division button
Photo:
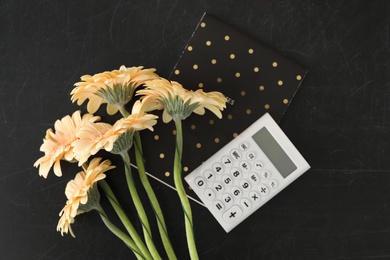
(263, 189)
(265, 175)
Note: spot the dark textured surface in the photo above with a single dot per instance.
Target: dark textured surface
(339, 120)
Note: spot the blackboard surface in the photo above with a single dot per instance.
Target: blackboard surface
(339, 120)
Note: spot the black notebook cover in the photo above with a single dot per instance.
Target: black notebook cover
(254, 78)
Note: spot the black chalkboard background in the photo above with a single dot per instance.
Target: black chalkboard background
(339, 120)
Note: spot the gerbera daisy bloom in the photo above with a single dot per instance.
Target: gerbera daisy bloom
(57, 144)
(96, 136)
(179, 102)
(82, 193)
(115, 87)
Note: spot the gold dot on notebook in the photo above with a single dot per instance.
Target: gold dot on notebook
(162, 155)
(261, 88)
(274, 64)
(193, 127)
(227, 37)
(216, 140)
(198, 145)
(266, 106)
(243, 93)
(177, 72)
(248, 111)
(213, 61)
(200, 85)
(208, 43)
(185, 168)
(299, 77)
(230, 116)
(280, 82)
(256, 69)
(174, 132)
(219, 80)
(232, 56)
(203, 24)
(167, 174)
(251, 51)
(156, 137)
(238, 74)
(235, 135)
(285, 101)
(211, 122)
(189, 48)
(195, 66)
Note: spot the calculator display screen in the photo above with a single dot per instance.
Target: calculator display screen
(274, 152)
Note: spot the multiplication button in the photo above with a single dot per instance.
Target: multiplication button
(232, 214)
(254, 196)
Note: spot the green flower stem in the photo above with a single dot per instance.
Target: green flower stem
(125, 220)
(152, 197)
(139, 207)
(177, 176)
(116, 231)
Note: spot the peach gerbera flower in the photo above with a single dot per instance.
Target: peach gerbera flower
(96, 136)
(81, 192)
(179, 102)
(115, 87)
(57, 145)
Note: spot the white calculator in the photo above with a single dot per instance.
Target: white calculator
(247, 172)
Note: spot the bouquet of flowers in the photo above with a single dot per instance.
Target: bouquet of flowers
(78, 138)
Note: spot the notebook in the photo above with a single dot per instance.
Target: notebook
(254, 78)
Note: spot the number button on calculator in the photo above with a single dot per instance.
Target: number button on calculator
(247, 172)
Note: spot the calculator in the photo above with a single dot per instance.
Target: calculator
(247, 172)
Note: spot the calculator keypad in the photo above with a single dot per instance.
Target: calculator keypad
(247, 172)
(237, 181)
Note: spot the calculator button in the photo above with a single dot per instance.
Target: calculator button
(236, 192)
(232, 214)
(245, 185)
(209, 175)
(254, 178)
(236, 173)
(218, 187)
(273, 184)
(245, 203)
(245, 166)
(200, 182)
(236, 155)
(265, 175)
(227, 199)
(209, 194)
(226, 161)
(254, 196)
(244, 146)
(263, 189)
(218, 205)
(227, 180)
(217, 168)
(258, 165)
(251, 156)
